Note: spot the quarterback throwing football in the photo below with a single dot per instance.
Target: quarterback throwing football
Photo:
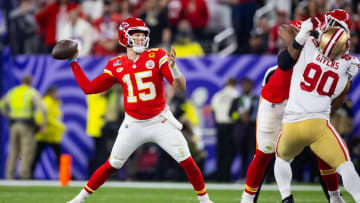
(141, 73)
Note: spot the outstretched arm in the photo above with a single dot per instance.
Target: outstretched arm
(99, 84)
(288, 57)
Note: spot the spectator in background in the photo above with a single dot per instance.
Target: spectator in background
(19, 105)
(174, 9)
(197, 14)
(275, 44)
(52, 19)
(243, 111)
(77, 29)
(124, 8)
(23, 29)
(220, 104)
(107, 43)
(259, 37)
(314, 8)
(355, 29)
(220, 16)
(96, 111)
(185, 45)
(243, 12)
(156, 18)
(299, 14)
(3, 30)
(354, 42)
(93, 9)
(54, 128)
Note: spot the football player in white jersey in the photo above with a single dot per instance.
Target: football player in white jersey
(274, 95)
(322, 71)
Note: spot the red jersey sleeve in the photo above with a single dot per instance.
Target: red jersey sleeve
(99, 84)
(164, 65)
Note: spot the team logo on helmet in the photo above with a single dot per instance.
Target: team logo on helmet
(123, 25)
(150, 64)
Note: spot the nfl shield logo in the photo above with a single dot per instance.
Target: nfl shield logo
(117, 63)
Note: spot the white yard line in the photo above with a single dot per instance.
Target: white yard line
(170, 185)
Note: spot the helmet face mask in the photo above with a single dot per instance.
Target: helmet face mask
(128, 36)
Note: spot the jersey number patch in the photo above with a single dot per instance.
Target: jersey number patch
(311, 77)
(141, 85)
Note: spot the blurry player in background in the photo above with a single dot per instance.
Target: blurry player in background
(322, 72)
(141, 74)
(274, 95)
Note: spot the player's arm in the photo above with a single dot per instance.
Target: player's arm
(287, 34)
(99, 84)
(178, 82)
(338, 101)
(288, 57)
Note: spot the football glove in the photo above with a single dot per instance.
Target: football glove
(304, 33)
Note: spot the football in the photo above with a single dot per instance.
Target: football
(64, 49)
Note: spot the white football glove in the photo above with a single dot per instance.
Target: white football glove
(305, 30)
(354, 67)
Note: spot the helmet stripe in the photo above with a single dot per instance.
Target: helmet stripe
(338, 37)
(331, 44)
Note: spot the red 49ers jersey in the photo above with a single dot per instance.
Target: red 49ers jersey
(277, 88)
(142, 82)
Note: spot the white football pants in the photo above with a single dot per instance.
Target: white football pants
(162, 129)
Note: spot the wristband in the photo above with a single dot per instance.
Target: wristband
(175, 72)
(72, 60)
(296, 45)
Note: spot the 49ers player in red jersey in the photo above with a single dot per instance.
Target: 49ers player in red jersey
(141, 73)
(274, 95)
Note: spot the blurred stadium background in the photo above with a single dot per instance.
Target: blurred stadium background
(215, 40)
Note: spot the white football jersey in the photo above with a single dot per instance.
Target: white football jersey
(315, 82)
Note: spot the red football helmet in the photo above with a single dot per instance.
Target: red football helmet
(339, 16)
(129, 27)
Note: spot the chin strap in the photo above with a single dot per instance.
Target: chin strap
(138, 49)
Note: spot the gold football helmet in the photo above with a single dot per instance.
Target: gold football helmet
(334, 42)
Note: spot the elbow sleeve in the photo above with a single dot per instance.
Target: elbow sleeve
(285, 61)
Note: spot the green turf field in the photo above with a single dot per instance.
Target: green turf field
(56, 194)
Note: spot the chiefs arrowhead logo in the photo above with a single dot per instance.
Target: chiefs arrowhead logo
(150, 64)
(123, 26)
